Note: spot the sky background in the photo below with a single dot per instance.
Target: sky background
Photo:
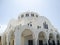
(12, 8)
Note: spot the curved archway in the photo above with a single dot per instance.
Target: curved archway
(42, 38)
(12, 38)
(51, 40)
(27, 37)
(58, 39)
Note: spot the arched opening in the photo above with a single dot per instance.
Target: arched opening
(27, 37)
(51, 40)
(58, 39)
(12, 39)
(42, 39)
(0, 41)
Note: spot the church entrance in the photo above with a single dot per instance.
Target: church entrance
(30, 42)
(40, 42)
(51, 40)
(27, 37)
(58, 42)
(42, 39)
(58, 39)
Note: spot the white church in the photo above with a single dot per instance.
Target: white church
(30, 29)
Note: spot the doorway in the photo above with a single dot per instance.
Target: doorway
(27, 37)
(30, 42)
(40, 42)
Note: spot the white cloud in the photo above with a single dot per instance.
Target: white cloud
(2, 28)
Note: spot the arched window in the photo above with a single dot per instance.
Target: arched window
(57, 36)
(22, 15)
(27, 15)
(29, 24)
(45, 25)
(36, 15)
(38, 27)
(32, 15)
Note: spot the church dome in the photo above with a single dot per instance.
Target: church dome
(33, 19)
(28, 17)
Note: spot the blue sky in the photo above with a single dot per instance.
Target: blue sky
(12, 8)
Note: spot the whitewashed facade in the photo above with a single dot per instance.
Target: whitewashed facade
(30, 29)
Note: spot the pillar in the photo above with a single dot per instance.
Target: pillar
(55, 40)
(7, 39)
(35, 37)
(3, 40)
(17, 40)
(47, 39)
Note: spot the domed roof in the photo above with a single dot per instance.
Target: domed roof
(28, 17)
(33, 19)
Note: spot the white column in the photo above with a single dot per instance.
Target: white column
(17, 40)
(47, 40)
(7, 42)
(3, 39)
(35, 37)
(36, 41)
(55, 40)
(7, 39)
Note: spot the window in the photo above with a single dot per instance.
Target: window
(38, 27)
(22, 15)
(57, 36)
(36, 15)
(32, 15)
(45, 25)
(29, 24)
(27, 15)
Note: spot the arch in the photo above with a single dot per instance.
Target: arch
(41, 35)
(12, 36)
(27, 37)
(58, 39)
(42, 40)
(51, 40)
(51, 36)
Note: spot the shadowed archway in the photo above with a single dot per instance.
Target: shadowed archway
(42, 38)
(58, 39)
(27, 37)
(51, 40)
